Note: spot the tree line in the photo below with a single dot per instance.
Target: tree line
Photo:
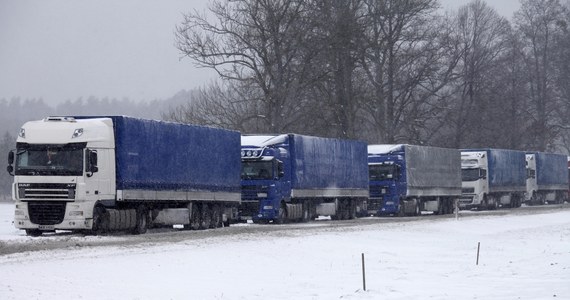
(384, 71)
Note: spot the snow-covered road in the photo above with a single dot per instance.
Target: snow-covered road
(523, 256)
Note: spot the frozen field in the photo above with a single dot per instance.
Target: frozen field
(523, 256)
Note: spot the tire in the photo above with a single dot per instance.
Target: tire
(484, 204)
(141, 221)
(401, 210)
(195, 217)
(33, 232)
(206, 216)
(417, 208)
(282, 217)
(216, 216)
(100, 220)
(306, 213)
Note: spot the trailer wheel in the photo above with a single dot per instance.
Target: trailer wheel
(195, 216)
(306, 212)
(417, 208)
(33, 232)
(206, 216)
(216, 216)
(142, 220)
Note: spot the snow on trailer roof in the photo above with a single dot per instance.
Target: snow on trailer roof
(262, 140)
(384, 149)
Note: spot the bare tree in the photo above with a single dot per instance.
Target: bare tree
(262, 45)
(403, 64)
(483, 36)
(539, 23)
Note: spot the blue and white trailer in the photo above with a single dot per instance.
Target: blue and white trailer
(547, 178)
(409, 179)
(492, 178)
(121, 173)
(298, 177)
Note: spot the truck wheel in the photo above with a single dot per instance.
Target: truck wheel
(100, 220)
(206, 216)
(216, 216)
(417, 208)
(483, 205)
(306, 212)
(282, 215)
(33, 232)
(401, 209)
(142, 220)
(195, 217)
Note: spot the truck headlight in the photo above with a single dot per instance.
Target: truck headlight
(261, 195)
(268, 207)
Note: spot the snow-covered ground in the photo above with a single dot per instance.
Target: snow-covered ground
(523, 256)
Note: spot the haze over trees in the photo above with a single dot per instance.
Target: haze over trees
(384, 71)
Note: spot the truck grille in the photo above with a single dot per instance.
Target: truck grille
(46, 213)
(248, 208)
(250, 192)
(376, 190)
(52, 191)
(375, 204)
(468, 190)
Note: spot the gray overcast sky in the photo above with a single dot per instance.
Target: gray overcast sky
(61, 50)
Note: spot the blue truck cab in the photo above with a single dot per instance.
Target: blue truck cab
(387, 182)
(265, 178)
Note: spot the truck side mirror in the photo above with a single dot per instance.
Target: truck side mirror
(280, 171)
(91, 163)
(10, 168)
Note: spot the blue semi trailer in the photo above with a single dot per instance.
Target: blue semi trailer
(297, 177)
(492, 178)
(409, 179)
(547, 178)
(122, 173)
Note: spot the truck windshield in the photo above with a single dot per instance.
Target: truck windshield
(471, 174)
(55, 160)
(256, 170)
(382, 172)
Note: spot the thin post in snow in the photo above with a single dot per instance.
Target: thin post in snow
(363, 274)
(478, 247)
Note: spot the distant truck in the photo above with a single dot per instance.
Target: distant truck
(409, 179)
(100, 174)
(547, 178)
(492, 178)
(297, 177)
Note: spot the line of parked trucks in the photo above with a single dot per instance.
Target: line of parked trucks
(118, 173)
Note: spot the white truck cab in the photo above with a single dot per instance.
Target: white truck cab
(475, 184)
(62, 166)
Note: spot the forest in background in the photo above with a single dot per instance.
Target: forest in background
(385, 71)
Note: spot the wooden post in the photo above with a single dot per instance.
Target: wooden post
(363, 274)
(478, 247)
